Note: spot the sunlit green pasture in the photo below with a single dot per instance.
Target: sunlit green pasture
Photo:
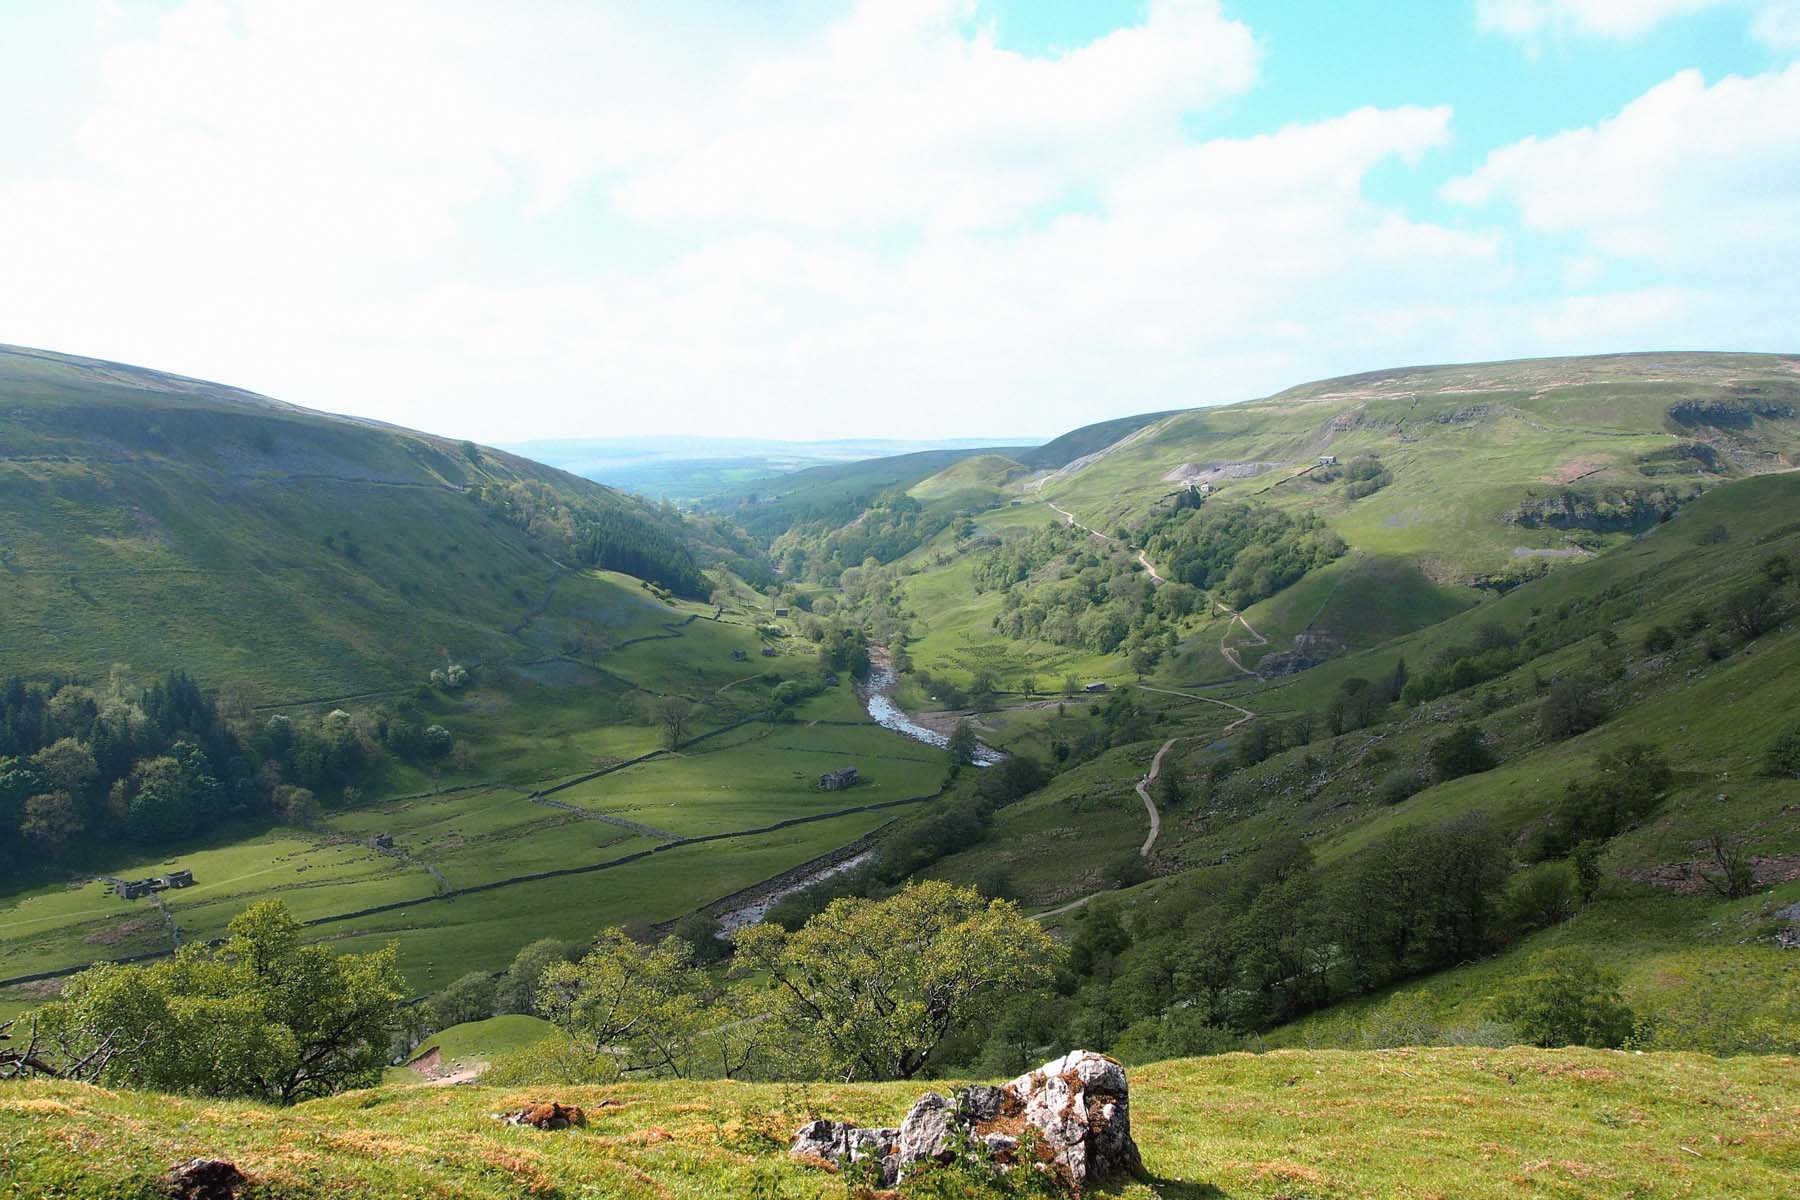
(762, 774)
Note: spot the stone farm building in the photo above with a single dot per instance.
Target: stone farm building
(838, 780)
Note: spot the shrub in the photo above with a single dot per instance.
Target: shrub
(469, 998)
(1751, 612)
(1783, 756)
(946, 960)
(1128, 869)
(1658, 639)
(1463, 751)
(700, 930)
(263, 1015)
(516, 991)
(1177, 1033)
(555, 1059)
(994, 881)
(1255, 744)
(1572, 706)
(1565, 998)
(962, 745)
(1410, 1019)
(453, 678)
(1397, 785)
(1545, 895)
(1626, 786)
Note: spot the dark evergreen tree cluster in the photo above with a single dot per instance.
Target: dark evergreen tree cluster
(80, 771)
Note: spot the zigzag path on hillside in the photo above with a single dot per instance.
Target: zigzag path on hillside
(1143, 791)
(1142, 787)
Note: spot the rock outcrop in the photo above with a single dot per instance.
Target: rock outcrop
(1071, 1117)
(203, 1179)
(547, 1116)
(1081, 1105)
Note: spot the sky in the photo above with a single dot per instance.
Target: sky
(887, 218)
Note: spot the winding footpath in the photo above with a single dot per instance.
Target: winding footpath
(1244, 714)
(1225, 646)
(1143, 791)
(1226, 650)
(1070, 518)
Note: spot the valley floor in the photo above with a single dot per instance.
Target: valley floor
(1463, 1122)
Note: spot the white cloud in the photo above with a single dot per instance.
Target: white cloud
(899, 117)
(1775, 23)
(588, 219)
(1602, 18)
(1705, 179)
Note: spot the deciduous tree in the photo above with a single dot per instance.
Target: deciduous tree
(869, 989)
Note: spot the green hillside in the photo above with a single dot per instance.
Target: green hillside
(1446, 485)
(829, 495)
(160, 523)
(248, 640)
(1489, 465)
(1475, 1124)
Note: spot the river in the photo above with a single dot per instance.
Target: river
(753, 911)
(878, 698)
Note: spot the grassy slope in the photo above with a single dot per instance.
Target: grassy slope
(1713, 719)
(164, 523)
(477, 826)
(768, 507)
(754, 777)
(1465, 444)
(1475, 1124)
(473, 1044)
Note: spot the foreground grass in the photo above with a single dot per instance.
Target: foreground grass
(1443, 1122)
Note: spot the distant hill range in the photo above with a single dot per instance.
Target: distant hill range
(688, 469)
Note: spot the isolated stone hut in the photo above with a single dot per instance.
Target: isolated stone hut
(838, 780)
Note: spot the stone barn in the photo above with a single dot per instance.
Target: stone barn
(838, 780)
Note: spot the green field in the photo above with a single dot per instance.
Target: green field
(748, 779)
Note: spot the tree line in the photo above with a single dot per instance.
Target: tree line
(82, 767)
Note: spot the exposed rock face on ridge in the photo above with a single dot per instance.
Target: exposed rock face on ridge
(1071, 1116)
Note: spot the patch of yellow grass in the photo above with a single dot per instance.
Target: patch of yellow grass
(33, 1104)
(1290, 1172)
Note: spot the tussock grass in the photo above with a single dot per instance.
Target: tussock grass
(1474, 1124)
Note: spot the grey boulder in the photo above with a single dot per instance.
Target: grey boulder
(1076, 1112)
